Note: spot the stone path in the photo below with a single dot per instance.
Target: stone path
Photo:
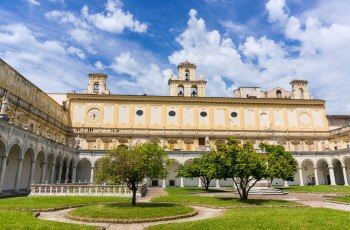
(324, 204)
(203, 213)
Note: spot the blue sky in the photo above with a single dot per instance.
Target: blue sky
(56, 43)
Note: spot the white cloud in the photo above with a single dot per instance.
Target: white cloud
(49, 64)
(75, 51)
(144, 78)
(276, 10)
(99, 65)
(112, 20)
(33, 2)
(237, 28)
(115, 20)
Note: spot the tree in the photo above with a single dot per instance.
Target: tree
(205, 168)
(243, 164)
(281, 163)
(132, 165)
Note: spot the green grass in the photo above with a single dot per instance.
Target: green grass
(185, 196)
(127, 211)
(269, 218)
(345, 199)
(319, 189)
(10, 220)
(45, 202)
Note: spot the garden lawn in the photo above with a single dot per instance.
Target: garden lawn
(269, 218)
(10, 220)
(184, 196)
(340, 189)
(46, 202)
(344, 199)
(127, 211)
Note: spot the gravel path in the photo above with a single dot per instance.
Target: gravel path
(203, 213)
(324, 204)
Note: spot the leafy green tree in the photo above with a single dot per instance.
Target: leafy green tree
(131, 165)
(243, 164)
(281, 163)
(205, 168)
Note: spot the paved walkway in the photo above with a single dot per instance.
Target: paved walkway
(203, 213)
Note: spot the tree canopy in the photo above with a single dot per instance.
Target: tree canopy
(205, 168)
(281, 163)
(131, 165)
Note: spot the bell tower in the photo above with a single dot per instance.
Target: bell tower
(300, 89)
(97, 84)
(186, 83)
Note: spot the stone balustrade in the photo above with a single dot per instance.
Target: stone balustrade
(85, 190)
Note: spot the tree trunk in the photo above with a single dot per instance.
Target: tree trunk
(134, 190)
(244, 194)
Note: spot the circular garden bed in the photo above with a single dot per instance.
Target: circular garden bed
(126, 213)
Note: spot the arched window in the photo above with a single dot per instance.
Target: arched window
(96, 87)
(301, 93)
(187, 75)
(180, 90)
(194, 92)
(278, 93)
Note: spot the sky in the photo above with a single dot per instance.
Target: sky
(138, 43)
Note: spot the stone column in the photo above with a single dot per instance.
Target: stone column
(52, 173)
(301, 176)
(92, 175)
(74, 174)
(182, 182)
(331, 174)
(199, 183)
(286, 184)
(60, 173)
(163, 183)
(217, 184)
(316, 176)
(2, 172)
(18, 174)
(31, 174)
(42, 174)
(66, 174)
(346, 183)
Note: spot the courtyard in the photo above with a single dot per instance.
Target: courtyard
(304, 207)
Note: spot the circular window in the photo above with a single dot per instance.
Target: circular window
(233, 114)
(94, 114)
(305, 119)
(172, 113)
(139, 112)
(203, 114)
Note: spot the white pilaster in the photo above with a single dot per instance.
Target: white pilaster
(74, 174)
(182, 182)
(18, 174)
(199, 183)
(42, 174)
(92, 175)
(66, 174)
(163, 183)
(346, 183)
(2, 172)
(286, 184)
(31, 174)
(316, 176)
(217, 184)
(331, 174)
(52, 173)
(59, 173)
(301, 176)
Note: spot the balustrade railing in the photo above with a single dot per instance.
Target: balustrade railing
(85, 190)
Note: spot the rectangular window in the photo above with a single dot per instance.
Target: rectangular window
(201, 141)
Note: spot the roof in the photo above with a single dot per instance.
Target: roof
(186, 64)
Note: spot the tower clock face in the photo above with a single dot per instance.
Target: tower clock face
(94, 114)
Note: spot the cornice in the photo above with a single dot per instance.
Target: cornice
(194, 100)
